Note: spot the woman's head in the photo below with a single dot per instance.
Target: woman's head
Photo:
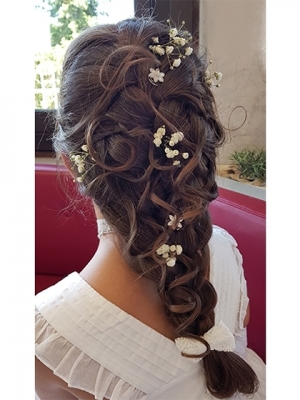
(146, 118)
(109, 103)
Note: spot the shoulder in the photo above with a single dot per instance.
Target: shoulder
(224, 248)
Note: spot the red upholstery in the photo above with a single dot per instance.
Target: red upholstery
(66, 238)
(244, 217)
(61, 227)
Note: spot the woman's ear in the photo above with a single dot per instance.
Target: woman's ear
(67, 163)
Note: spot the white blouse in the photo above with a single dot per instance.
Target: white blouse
(95, 346)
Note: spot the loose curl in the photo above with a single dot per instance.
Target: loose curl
(108, 103)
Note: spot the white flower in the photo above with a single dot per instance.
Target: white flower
(178, 249)
(210, 81)
(176, 162)
(171, 143)
(156, 75)
(161, 131)
(177, 136)
(179, 41)
(77, 158)
(164, 248)
(173, 32)
(81, 168)
(218, 75)
(158, 50)
(79, 179)
(170, 153)
(171, 261)
(172, 222)
(157, 142)
(185, 155)
(173, 247)
(155, 40)
(84, 148)
(188, 51)
(169, 49)
(175, 152)
(176, 62)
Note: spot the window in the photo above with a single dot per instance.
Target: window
(59, 21)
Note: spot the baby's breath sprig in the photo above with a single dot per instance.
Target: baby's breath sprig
(169, 252)
(173, 224)
(213, 79)
(169, 142)
(78, 158)
(176, 50)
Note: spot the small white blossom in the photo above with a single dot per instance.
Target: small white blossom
(171, 143)
(158, 50)
(176, 62)
(178, 249)
(218, 76)
(176, 162)
(185, 155)
(176, 152)
(84, 148)
(172, 222)
(188, 51)
(170, 154)
(81, 168)
(173, 32)
(164, 248)
(156, 75)
(169, 49)
(157, 142)
(173, 247)
(179, 41)
(177, 136)
(161, 131)
(79, 179)
(155, 40)
(171, 262)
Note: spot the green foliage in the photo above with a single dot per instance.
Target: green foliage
(69, 18)
(72, 17)
(251, 164)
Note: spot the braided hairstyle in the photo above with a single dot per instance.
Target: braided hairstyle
(108, 103)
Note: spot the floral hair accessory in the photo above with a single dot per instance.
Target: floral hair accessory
(175, 49)
(213, 79)
(219, 338)
(169, 142)
(79, 160)
(172, 223)
(156, 76)
(169, 253)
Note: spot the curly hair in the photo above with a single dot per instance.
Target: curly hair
(108, 103)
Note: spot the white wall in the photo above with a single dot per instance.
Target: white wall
(233, 31)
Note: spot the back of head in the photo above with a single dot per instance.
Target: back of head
(134, 95)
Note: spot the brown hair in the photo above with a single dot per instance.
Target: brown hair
(108, 103)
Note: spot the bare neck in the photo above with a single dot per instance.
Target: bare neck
(110, 275)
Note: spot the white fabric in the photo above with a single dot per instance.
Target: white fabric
(219, 337)
(95, 346)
